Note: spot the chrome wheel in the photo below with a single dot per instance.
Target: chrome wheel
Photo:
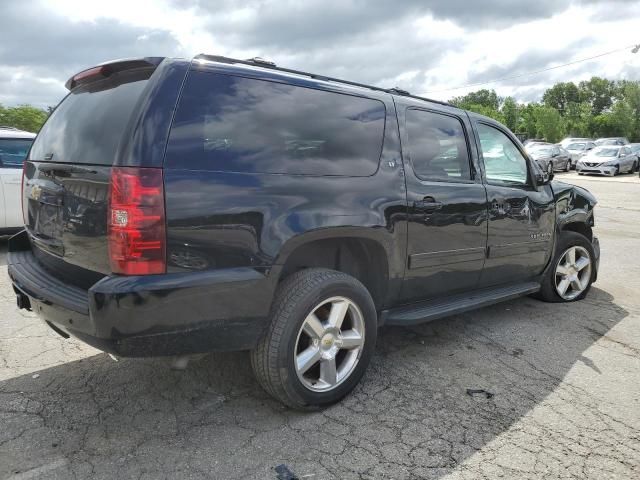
(329, 344)
(573, 273)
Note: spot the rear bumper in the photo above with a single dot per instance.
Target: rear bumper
(155, 315)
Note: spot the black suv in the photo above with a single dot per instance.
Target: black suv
(175, 207)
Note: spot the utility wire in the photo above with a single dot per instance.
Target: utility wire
(534, 72)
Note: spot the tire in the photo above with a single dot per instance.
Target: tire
(568, 240)
(549, 168)
(634, 167)
(616, 171)
(568, 166)
(274, 358)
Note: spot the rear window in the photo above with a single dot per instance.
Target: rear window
(89, 124)
(13, 151)
(236, 124)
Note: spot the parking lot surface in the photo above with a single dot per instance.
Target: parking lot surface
(565, 381)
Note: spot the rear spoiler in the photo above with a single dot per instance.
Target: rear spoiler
(105, 69)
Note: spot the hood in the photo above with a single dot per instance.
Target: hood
(578, 194)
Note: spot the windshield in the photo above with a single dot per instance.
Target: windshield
(606, 152)
(541, 152)
(13, 151)
(576, 146)
(89, 124)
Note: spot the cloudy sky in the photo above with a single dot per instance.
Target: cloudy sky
(425, 46)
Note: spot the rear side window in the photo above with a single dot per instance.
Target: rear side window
(236, 124)
(89, 124)
(13, 151)
(437, 146)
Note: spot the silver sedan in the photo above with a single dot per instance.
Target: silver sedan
(608, 160)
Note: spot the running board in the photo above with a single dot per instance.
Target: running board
(434, 309)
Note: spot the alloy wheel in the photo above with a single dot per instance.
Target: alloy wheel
(573, 272)
(329, 344)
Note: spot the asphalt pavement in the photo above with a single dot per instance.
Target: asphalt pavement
(564, 379)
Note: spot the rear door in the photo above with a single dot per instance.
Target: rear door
(521, 216)
(447, 203)
(67, 174)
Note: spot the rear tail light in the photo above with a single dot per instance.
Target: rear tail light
(137, 240)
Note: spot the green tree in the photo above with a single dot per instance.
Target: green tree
(24, 117)
(510, 113)
(628, 114)
(528, 120)
(599, 93)
(484, 97)
(576, 118)
(486, 111)
(549, 124)
(561, 95)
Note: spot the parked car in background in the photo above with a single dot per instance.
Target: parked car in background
(551, 158)
(569, 140)
(611, 141)
(608, 160)
(14, 145)
(534, 140)
(635, 149)
(532, 143)
(176, 207)
(578, 149)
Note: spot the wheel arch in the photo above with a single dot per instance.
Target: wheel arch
(361, 256)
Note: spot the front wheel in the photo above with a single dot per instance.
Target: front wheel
(572, 270)
(549, 169)
(616, 171)
(568, 166)
(320, 339)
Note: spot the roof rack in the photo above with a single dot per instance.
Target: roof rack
(261, 62)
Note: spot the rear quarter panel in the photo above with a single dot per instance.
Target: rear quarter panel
(227, 220)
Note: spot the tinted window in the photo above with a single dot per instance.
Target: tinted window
(13, 151)
(228, 123)
(437, 146)
(89, 124)
(503, 162)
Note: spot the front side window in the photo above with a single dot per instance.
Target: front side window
(237, 124)
(13, 151)
(437, 146)
(503, 162)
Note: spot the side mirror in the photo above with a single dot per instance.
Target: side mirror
(543, 178)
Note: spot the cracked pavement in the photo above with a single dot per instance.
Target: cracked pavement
(565, 379)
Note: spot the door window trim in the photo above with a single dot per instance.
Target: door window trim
(406, 151)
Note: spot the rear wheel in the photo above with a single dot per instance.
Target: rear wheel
(634, 167)
(320, 340)
(572, 270)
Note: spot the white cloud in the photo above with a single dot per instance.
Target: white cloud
(427, 47)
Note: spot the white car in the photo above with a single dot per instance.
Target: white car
(608, 160)
(14, 145)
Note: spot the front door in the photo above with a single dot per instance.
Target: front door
(521, 216)
(447, 204)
